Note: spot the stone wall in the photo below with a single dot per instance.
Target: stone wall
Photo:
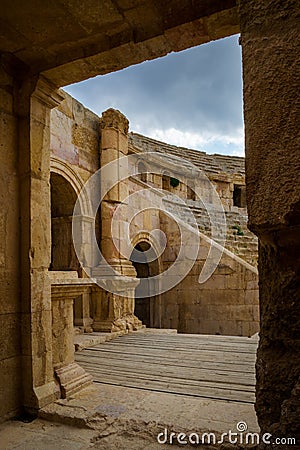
(226, 304)
(225, 173)
(75, 156)
(270, 37)
(10, 307)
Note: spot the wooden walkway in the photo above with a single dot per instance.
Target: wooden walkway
(215, 367)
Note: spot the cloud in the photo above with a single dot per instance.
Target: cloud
(194, 96)
(211, 143)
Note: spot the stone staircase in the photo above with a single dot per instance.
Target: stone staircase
(239, 240)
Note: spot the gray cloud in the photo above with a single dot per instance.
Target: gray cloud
(196, 91)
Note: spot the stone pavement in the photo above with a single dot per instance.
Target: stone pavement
(43, 435)
(115, 417)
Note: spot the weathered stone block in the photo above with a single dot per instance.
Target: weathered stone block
(9, 292)
(10, 336)
(72, 378)
(109, 142)
(10, 387)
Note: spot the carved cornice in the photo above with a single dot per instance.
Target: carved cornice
(112, 118)
(47, 93)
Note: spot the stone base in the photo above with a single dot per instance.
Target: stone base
(122, 267)
(127, 323)
(72, 378)
(83, 327)
(45, 394)
(104, 326)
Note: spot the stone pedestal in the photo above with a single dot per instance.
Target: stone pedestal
(113, 307)
(71, 377)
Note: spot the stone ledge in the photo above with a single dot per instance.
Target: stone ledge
(157, 330)
(82, 341)
(86, 340)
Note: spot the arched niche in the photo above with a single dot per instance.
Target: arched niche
(63, 198)
(71, 185)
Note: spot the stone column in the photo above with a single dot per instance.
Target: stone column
(33, 109)
(116, 311)
(270, 45)
(114, 146)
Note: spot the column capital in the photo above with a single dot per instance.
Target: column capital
(112, 118)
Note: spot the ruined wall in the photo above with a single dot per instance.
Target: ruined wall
(75, 137)
(226, 304)
(75, 156)
(10, 308)
(225, 173)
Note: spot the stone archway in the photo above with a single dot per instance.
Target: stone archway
(270, 54)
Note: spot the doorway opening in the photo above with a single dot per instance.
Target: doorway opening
(147, 304)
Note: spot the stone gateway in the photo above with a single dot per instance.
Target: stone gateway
(45, 48)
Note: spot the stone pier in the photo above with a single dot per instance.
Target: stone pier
(270, 36)
(70, 376)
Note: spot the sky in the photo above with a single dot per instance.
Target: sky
(191, 99)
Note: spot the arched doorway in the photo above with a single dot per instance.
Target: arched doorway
(63, 198)
(147, 304)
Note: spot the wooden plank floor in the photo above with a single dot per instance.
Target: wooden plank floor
(215, 367)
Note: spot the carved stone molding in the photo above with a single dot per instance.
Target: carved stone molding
(47, 93)
(72, 378)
